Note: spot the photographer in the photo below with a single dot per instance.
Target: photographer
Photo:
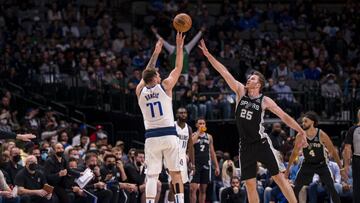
(233, 193)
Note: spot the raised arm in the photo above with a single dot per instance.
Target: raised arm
(274, 108)
(235, 85)
(325, 139)
(151, 63)
(172, 79)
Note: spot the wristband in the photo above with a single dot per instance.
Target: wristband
(342, 169)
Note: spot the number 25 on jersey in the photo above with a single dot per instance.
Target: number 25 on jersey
(152, 106)
(246, 114)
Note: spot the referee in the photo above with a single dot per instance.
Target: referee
(352, 146)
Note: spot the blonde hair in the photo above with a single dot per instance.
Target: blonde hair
(224, 172)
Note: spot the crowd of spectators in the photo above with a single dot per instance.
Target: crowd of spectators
(62, 150)
(298, 46)
(300, 43)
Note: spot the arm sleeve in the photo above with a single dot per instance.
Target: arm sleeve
(19, 181)
(189, 46)
(170, 48)
(350, 135)
(51, 176)
(7, 135)
(47, 134)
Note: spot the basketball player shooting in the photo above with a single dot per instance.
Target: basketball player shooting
(161, 141)
(255, 145)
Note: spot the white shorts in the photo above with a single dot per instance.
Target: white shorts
(159, 148)
(183, 168)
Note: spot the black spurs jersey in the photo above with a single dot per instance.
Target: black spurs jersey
(315, 153)
(202, 150)
(249, 117)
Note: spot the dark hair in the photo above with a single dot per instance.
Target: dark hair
(109, 156)
(261, 78)
(139, 151)
(312, 116)
(148, 74)
(200, 118)
(90, 155)
(72, 159)
(235, 177)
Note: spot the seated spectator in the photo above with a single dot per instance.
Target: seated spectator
(331, 93)
(6, 195)
(233, 194)
(228, 171)
(312, 72)
(281, 71)
(97, 186)
(73, 191)
(31, 182)
(13, 166)
(135, 171)
(285, 97)
(56, 171)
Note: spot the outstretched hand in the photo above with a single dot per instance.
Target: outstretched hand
(158, 46)
(203, 48)
(180, 37)
(25, 137)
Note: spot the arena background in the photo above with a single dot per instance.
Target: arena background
(58, 82)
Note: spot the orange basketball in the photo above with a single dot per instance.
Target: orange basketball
(182, 22)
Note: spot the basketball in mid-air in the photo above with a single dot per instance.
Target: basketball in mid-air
(182, 22)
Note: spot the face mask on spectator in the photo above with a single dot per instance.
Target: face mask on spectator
(32, 166)
(110, 166)
(281, 83)
(331, 81)
(16, 158)
(44, 156)
(92, 166)
(59, 154)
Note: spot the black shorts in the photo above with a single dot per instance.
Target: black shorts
(261, 152)
(306, 173)
(202, 174)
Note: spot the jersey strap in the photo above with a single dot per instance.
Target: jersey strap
(158, 132)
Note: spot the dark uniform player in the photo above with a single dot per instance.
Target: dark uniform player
(352, 150)
(204, 154)
(254, 143)
(315, 157)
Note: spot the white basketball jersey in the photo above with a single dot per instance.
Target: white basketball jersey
(183, 134)
(156, 108)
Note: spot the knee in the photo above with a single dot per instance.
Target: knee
(250, 185)
(203, 188)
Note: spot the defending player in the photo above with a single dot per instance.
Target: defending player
(255, 145)
(161, 142)
(315, 157)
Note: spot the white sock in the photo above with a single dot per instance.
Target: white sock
(150, 200)
(171, 202)
(179, 198)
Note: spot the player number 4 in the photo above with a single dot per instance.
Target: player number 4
(312, 153)
(246, 114)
